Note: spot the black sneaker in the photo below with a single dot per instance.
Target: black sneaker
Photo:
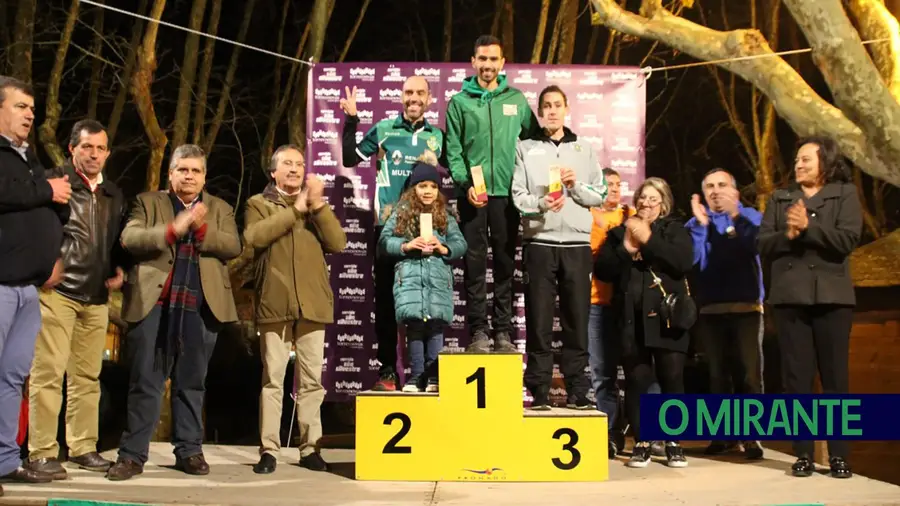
(613, 449)
(541, 402)
(579, 402)
(658, 449)
(503, 344)
(719, 447)
(840, 468)
(481, 343)
(640, 455)
(803, 467)
(314, 462)
(753, 450)
(675, 455)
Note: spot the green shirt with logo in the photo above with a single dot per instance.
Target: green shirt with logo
(402, 145)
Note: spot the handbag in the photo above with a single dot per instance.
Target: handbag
(678, 309)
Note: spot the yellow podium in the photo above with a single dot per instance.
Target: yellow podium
(475, 429)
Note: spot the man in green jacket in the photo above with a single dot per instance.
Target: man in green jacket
(484, 121)
(291, 228)
(398, 143)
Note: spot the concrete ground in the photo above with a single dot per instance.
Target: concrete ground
(725, 481)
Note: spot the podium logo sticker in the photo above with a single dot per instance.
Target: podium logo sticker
(486, 474)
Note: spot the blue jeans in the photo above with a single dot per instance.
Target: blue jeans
(424, 340)
(20, 321)
(605, 354)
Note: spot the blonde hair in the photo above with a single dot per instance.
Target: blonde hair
(665, 193)
(428, 156)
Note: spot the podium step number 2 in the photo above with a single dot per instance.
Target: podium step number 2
(475, 429)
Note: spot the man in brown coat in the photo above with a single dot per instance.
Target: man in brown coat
(291, 228)
(176, 299)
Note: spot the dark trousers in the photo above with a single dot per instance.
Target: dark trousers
(811, 336)
(424, 341)
(385, 317)
(147, 383)
(549, 271)
(668, 366)
(501, 218)
(733, 346)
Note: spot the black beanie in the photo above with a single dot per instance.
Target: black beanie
(424, 172)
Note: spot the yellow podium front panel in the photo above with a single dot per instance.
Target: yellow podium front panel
(564, 445)
(396, 436)
(481, 406)
(475, 429)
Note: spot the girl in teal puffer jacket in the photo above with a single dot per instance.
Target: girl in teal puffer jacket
(423, 278)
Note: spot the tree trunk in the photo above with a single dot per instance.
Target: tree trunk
(188, 75)
(23, 40)
(318, 19)
(47, 130)
(804, 110)
(875, 21)
(205, 70)
(448, 29)
(97, 64)
(359, 18)
(557, 27)
(140, 90)
(280, 102)
(541, 30)
(225, 95)
(568, 32)
(508, 31)
(4, 34)
(125, 82)
(498, 18)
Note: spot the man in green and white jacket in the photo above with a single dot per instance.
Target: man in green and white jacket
(557, 248)
(484, 121)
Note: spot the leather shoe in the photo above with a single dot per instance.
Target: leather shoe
(92, 462)
(124, 469)
(195, 464)
(840, 468)
(24, 475)
(314, 462)
(49, 466)
(803, 467)
(265, 465)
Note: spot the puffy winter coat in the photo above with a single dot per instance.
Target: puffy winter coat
(423, 284)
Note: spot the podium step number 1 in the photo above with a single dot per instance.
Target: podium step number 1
(475, 429)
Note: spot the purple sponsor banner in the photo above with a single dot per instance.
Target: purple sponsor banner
(607, 109)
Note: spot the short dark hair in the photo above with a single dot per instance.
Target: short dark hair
(611, 172)
(16, 84)
(486, 40)
(832, 168)
(86, 125)
(552, 89)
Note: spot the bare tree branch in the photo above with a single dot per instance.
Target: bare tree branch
(188, 74)
(794, 99)
(567, 32)
(557, 26)
(23, 39)
(130, 63)
(140, 90)
(541, 30)
(96, 64)
(875, 21)
(47, 130)
(205, 71)
(448, 29)
(359, 18)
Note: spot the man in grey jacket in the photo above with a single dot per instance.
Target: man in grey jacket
(557, 247)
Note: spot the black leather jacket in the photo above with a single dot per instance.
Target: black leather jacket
(90, 248)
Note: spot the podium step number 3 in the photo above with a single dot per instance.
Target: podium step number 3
(475, 429)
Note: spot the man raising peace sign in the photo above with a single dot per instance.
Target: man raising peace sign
(401, 142)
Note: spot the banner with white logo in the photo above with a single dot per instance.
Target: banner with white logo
(607, 109)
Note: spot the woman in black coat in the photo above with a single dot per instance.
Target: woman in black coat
(647, 250)
(807, 234)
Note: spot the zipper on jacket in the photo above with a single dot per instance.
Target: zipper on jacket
(491, 129)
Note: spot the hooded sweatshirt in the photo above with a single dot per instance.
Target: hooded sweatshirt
(482, 129)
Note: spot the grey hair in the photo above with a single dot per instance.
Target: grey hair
(273, 162)
(718, 169)
(660, 185)
(187, 151)
(16, 84)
